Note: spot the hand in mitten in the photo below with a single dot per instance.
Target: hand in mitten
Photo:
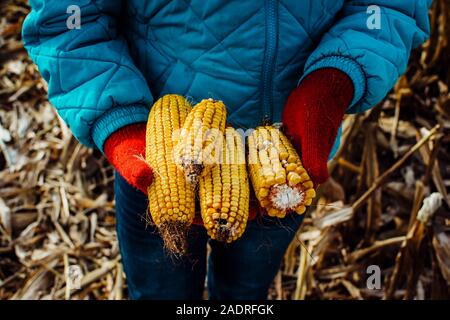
(313, 114)
(125, 150)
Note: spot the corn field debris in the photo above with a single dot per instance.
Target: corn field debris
(386, 205)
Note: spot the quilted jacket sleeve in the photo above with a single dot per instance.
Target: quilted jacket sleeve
(373, 55)
(92, 80)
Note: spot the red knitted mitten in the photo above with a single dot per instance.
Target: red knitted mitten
(125, 150)
(313, 114)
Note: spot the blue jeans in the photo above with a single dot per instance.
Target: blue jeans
(240, 270)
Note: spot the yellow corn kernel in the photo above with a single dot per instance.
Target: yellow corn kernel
(263, 192)
(272, 212)
(291, 167)
(308, 185)
(284, 155)
(280, 178)
(305, 177)
(293, 178)
(310, 193)
(300, 209)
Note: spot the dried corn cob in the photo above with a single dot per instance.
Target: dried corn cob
(197, 148)
(224, 192)
(280, 182)
(171, 198)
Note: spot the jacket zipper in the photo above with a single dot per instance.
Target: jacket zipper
(270, 52)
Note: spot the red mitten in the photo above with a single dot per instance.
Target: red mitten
(313, 114)
(125, 150)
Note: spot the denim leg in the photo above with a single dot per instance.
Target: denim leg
(151, 272)
(245, 269)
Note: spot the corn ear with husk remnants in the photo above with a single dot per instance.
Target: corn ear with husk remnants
(196, 149)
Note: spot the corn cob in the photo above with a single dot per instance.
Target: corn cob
(171, 198)
(224, 192)
(280, 182)
(196, 150)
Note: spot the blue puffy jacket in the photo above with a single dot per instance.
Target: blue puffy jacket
(249, 53)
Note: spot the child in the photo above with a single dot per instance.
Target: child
(305, 63)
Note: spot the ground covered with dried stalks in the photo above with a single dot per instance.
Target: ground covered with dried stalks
(386, 207)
